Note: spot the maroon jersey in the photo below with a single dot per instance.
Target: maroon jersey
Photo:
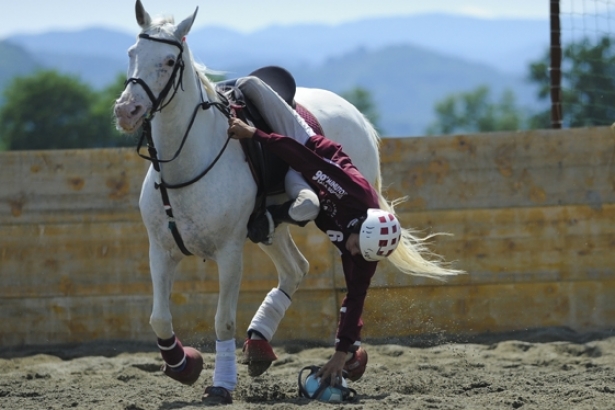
(344, 195)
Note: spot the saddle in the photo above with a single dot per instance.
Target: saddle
(267, 169)
(278, 78)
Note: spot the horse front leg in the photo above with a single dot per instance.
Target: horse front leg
(183, 364)
(230, 265)
(292, 267)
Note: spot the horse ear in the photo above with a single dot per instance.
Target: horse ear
(143, 17)
(184, 27)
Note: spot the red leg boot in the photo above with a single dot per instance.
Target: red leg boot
(355, 367)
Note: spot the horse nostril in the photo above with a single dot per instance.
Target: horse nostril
(136, 110)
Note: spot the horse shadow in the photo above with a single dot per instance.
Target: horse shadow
(295, 401)
(178, 405)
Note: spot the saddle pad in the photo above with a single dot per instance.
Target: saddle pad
(309, 118)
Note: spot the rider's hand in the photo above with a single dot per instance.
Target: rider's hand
(333, 368)
(238, 129)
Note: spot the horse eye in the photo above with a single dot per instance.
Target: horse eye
(171, 63)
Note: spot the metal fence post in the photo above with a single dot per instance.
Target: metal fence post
(555, 69)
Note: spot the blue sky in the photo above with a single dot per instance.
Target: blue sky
(34, 16)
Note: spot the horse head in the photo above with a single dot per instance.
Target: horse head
(155, 69)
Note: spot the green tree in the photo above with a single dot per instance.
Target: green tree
(588, 84)
(362, 99)
(475, 112)
(48, 110)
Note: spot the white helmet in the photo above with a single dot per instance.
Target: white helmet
(379, 235)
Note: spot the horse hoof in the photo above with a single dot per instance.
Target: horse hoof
(191, 372)
(258, 355)
(217, 395)
(255, 369)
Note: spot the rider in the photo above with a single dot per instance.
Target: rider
(349, 214)
(325, 186)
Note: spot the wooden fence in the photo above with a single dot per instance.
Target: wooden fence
(532, 218)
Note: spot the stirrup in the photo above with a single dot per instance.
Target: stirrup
(261, 228)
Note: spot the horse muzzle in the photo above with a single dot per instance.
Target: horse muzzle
(129, 115)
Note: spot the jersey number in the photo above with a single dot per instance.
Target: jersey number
(335, 236)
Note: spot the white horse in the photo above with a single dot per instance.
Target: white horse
(210, 191)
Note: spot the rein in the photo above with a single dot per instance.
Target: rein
(146, 134)
(153, 153)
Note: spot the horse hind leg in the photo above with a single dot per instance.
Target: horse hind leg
(183, 364)
(289, 262)
(292, 267)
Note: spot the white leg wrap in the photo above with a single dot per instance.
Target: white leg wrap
(225, 372)
(270, 313)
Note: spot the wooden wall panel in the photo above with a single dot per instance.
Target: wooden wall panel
(498, 307)
(36, 320)
(518, 244)
(532, 218)
(72, 185)
(502, 170)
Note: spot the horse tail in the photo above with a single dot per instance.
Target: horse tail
(412, 256)
(375, 138)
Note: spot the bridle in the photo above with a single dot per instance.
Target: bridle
(179, 66)
(146, 135)
(158, 104)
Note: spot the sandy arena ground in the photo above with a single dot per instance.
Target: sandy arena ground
(548, 370)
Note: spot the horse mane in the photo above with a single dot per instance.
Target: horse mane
(163, 25)
(201, 72)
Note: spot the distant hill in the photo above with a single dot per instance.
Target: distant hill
(14, 60)
(507, 45)
(95, 55)
(504, 44)
(407, 63)
(88, 42)
(406, 82)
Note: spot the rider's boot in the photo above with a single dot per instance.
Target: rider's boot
(261, 228)
(280, 213)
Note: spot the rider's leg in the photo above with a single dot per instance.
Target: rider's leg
(280, 117)
(304, 206)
